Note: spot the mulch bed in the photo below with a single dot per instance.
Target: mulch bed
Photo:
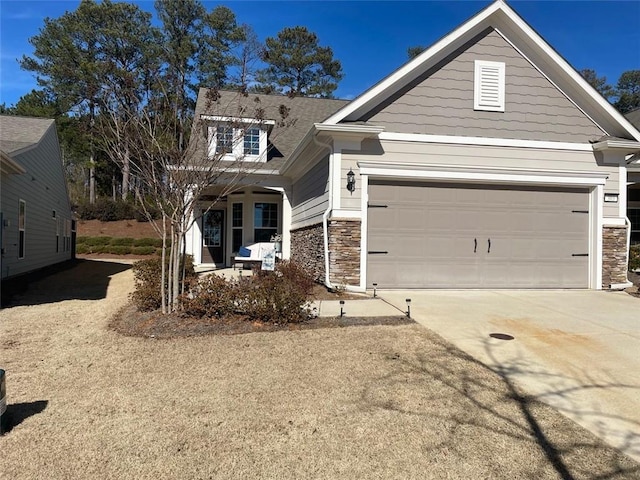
(635, 279)
(130, 322)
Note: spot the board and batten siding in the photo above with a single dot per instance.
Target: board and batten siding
(441, 102)
(311, 195)
(419, 153)
(43, 188)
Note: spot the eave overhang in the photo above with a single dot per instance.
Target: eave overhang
(9, 166)
(620, 145)
(239, 120)
(342, 131)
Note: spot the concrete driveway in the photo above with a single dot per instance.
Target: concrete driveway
(578, 351)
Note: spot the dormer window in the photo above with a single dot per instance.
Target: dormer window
(236, 139)
(252, 141)
(224, 139)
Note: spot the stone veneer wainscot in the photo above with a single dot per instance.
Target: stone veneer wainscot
(614, 255)
(307, 249)
(344, 248)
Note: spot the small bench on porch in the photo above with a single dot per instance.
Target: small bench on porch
(252, 254)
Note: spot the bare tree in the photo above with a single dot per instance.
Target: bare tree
(171, 179)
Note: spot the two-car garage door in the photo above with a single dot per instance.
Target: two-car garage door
(477, 236)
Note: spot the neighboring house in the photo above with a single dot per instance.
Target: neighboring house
(35, 214)
(485, 162)
(633, 180)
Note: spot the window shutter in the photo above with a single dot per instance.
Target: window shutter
(489, 86)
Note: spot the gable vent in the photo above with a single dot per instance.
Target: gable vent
(489, 86)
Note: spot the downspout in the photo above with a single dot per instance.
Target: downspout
(325, 215)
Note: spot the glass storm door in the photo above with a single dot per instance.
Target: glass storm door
(213, 237)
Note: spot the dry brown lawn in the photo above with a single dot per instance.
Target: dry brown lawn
(361, 402)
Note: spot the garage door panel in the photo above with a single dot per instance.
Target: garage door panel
(430, 231)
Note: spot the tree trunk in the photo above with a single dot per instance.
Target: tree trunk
(126, 172)
(92, 180)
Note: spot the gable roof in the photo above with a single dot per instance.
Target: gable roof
(303, 113)
(20, 133)
(634, 117)
(527, 41)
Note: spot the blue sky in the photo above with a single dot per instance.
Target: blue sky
(370, 38)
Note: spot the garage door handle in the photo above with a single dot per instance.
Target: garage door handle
(377, 252)
(579, 254)
(475, 245)
(489, 247)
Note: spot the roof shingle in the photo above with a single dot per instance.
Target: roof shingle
(17, 133)
(303, 112)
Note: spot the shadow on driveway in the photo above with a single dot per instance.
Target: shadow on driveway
(76, 280)
(19, 412)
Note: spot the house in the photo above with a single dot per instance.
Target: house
(35, 213)
(485, 162)
(633, 181)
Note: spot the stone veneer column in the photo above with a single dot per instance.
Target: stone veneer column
(307, 249)
(614, 255)
(344, 251)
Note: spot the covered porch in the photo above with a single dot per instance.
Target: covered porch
(249, 215)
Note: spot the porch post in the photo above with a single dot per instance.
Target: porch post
(286, 224)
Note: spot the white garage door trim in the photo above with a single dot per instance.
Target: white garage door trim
(594, 180)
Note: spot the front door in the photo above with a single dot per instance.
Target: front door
(213, 237)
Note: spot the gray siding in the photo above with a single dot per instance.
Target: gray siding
(442, 103)
(478, 156)
(43, 188)
(311, 194)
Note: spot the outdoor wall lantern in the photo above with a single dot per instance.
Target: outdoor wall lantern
(351, 181)
(611, 197)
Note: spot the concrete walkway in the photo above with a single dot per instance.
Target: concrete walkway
(578, 351)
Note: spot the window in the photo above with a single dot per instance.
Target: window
(22, 222)
(236, 226)
(224, 139)
(265, 221)
(236, 138)
(252, 141)
(488, 93)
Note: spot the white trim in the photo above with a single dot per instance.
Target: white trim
(359, 131)
(482, 174)
(484, 141)
(619, 144)
(595, 238)
(364, 234)
(613, 221)
(346, 214)
(488, 86)
(220, 118)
